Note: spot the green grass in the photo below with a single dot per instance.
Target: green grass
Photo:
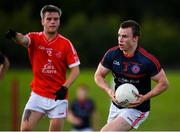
(165, 110)
(164, 113)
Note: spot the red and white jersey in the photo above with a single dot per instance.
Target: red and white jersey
(49, 60)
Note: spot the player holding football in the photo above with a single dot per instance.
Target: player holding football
(129, 63)
(50, 53)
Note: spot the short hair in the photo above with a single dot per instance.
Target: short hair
(50, 8)
(134, 25)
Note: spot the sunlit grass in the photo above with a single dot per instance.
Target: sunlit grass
(164, 113)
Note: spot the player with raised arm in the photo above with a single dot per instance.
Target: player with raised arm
(50, 54)
(130, 63)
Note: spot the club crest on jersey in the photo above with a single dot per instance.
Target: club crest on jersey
(115, 62)
(135, 69)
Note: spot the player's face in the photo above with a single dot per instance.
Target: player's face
(81, 94)
(126, 40)
(51, 22)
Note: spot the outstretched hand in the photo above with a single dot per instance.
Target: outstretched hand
(10, 34)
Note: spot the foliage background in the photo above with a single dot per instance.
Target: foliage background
(92, 26)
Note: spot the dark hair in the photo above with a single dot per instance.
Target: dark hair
(50, 8)
(134, 25)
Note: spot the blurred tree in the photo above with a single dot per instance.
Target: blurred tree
(92, 26)
(161, 37)
(20, 21)
(92, 37)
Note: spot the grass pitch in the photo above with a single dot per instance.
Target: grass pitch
(164, 114)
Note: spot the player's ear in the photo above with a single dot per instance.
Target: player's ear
(135, 38)
(42, 22)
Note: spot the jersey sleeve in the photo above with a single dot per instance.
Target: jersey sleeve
(107, 60)
(31, 37)
(154, 67)
(72, 56)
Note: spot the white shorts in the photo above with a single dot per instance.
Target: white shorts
(50, 107)
(133, 117)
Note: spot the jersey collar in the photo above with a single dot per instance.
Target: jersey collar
(132, 55)
(51, 41)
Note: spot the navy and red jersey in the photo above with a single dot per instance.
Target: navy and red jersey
(136, 70)
(83, 110)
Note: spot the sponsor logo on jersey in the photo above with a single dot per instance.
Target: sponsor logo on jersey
(124, 80)
(49, 68)
(135, 69)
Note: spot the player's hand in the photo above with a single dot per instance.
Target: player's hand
(111, 93)
(61, 93)
(139, 101)
(74, 119)
(10, 34)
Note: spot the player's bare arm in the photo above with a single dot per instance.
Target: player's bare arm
(161, 86)
(61, 93)
(99, 78)
(74, 72)
(22, 40)
(18, 38)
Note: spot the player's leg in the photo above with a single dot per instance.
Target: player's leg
(118, 124)
(124, 119)
(57, 114)
(56, 124)
(33, 112)
(30, 119)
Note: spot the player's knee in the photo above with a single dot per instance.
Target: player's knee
(105, 128)
(56, 125)
(26, 127)
(102, 129)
